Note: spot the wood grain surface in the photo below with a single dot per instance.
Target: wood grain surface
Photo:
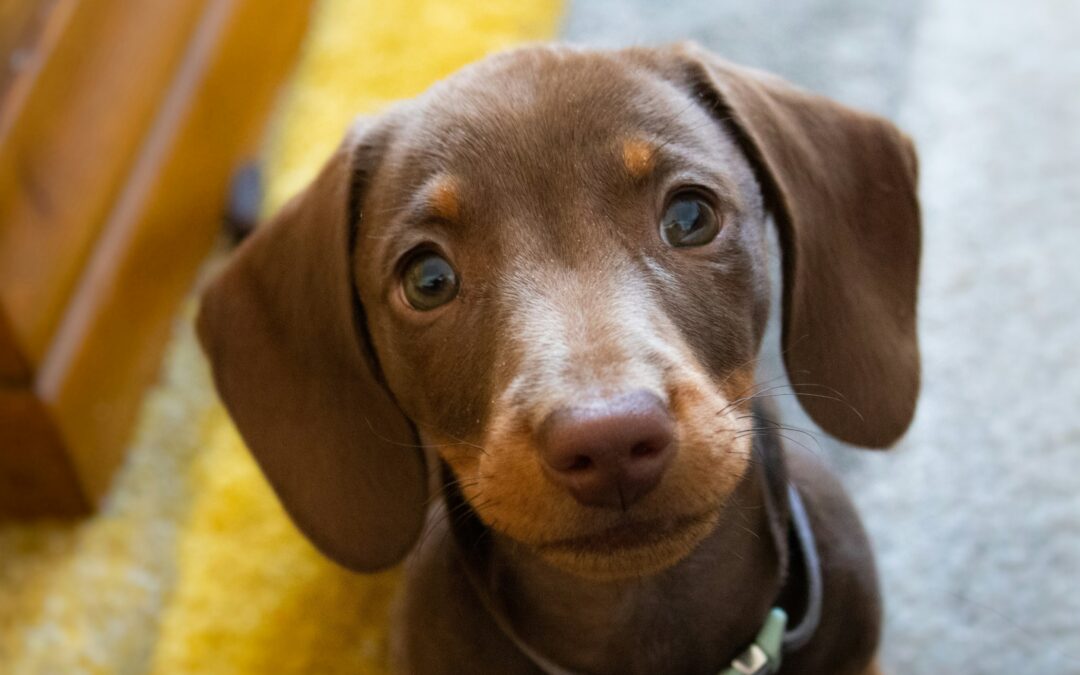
(114, 173)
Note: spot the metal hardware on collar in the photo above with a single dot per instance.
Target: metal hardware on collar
(752, 662)
(763, 656)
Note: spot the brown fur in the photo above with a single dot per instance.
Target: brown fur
(567, 291)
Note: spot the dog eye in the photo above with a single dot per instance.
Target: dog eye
(689, 221)
(429, 281)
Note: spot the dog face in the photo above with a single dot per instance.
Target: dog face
(572, 286)
(551, 269)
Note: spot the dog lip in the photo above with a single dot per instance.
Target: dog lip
(629, 534)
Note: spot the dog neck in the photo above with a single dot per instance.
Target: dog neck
(694, 616)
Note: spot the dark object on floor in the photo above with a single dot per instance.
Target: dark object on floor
(245, 198)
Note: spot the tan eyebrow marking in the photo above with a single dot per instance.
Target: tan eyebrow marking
(638, 156)
(445, 200)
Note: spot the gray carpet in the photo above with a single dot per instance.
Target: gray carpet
(976, 514)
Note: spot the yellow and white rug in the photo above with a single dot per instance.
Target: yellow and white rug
(192, 566)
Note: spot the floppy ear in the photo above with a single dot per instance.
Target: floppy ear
(286, 338)
(841, 185)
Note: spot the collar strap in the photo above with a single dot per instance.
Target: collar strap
(798, 635)
(765, 653)
(762, 657)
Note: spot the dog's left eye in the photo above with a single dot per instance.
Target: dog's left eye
(429, 281)
(689, 221)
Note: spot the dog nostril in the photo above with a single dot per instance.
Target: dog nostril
(580, 463)
(644, 450)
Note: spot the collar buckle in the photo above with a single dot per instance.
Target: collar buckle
(752, 662)
(762, 657)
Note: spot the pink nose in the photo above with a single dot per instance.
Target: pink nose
(609, 452)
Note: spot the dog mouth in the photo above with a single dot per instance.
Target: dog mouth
(629, 535)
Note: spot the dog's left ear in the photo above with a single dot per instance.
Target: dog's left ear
(287, 339)
(841, 185)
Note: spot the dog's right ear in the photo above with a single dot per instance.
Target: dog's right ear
(286, 337)
(842, 186)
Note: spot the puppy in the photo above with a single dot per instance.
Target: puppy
(532, 299)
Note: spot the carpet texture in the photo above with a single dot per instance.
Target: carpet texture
(192, 567)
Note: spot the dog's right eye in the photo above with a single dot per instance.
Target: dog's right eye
(689, 221)
(428, 281)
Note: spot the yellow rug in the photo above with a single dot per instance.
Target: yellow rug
(192, 566)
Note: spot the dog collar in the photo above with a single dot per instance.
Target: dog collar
(765, 653)
(763, 656)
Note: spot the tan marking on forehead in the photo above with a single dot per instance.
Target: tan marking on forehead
(445, 199)
(638, 156)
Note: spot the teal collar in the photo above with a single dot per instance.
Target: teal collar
(765, 653)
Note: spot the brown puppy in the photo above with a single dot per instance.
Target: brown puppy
(548, 275)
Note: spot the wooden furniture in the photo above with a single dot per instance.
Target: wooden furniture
(120, 125)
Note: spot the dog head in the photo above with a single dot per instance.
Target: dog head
(551, 269)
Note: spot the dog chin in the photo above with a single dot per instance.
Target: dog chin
(622, 553)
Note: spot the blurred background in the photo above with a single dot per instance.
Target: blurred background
(137, 536)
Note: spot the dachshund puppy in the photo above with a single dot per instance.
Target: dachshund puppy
(517, 319)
